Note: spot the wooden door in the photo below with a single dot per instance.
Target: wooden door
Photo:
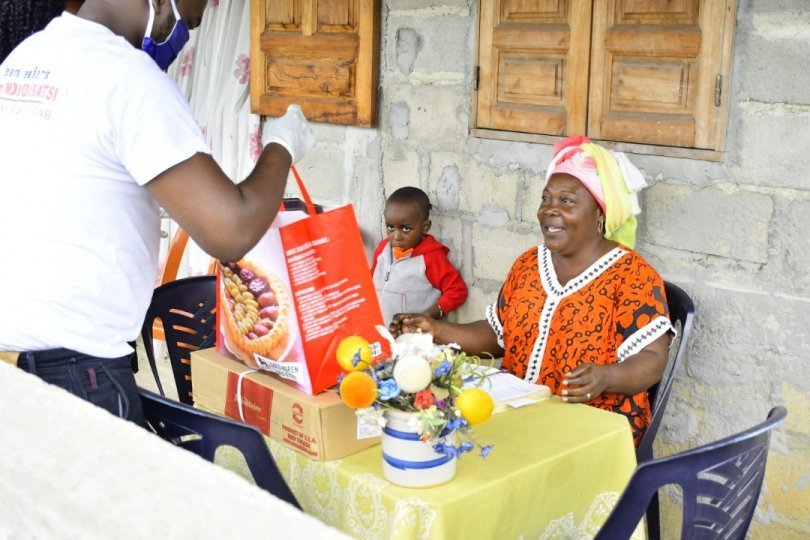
(321, 54)
(533, 61)
(654, 71)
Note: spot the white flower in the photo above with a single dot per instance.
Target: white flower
(414, 344)
(415, 424)
(412, 373)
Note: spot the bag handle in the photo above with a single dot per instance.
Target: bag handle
(304, 193)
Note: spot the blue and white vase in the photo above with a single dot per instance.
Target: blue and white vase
(409, 462)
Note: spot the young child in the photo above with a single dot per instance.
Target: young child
(411, 270)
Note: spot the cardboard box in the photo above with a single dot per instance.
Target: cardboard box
(320, 426)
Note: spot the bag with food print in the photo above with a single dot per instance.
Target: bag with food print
(305, 286)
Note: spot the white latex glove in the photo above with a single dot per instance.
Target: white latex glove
(291, 131)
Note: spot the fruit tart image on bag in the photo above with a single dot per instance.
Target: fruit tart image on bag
(256, 309)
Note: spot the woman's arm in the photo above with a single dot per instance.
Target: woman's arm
(636, 374)
(476, 338)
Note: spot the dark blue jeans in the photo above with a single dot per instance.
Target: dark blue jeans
(106, 382)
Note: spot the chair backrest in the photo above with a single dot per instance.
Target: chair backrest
(721, 482)
(187, 308)
(682, 314)
(202, 433)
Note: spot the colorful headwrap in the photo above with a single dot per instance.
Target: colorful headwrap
(609, 177)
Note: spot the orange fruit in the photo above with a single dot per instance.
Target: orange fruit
(349, 348)
(358, 389)
(475, 405)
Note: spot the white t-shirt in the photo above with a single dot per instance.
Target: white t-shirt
(86, 120)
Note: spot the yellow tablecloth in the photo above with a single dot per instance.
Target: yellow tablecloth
(556, 471)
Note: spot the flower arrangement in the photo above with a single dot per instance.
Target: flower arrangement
(422, 378)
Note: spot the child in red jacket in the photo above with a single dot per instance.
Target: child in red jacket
(411, 271)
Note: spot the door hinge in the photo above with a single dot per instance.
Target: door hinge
(718, 89)
(476, 77)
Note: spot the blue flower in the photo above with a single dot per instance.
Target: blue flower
(340, 380)
(389, 389)
(485, 451)
(466, 446)
(443, 369)
(455, 423)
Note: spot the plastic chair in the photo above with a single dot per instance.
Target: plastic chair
(171, 268)
(721, 482)
(187, 309)
(203, 433)
(682, 314)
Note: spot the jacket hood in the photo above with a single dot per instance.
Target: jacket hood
(427, 245)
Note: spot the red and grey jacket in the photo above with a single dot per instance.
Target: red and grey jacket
(417, 282)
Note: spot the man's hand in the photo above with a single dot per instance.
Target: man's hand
(291, 131)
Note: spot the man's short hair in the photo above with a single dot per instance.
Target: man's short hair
(415, 195)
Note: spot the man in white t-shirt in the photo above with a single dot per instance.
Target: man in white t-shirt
(94, 138)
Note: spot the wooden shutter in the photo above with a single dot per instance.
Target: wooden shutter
(533, 62)
(322, 55)
(654, 69)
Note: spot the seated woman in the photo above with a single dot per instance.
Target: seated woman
(583, 313)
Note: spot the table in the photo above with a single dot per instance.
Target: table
(556, 471)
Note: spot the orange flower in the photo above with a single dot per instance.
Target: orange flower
(358, 389)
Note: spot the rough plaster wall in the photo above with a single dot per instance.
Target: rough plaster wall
(733, 233)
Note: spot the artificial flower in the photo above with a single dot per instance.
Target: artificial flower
(443, 369)
(412, 373)
(414, 345)
(423, 399)
(425, 379)
(389, 389)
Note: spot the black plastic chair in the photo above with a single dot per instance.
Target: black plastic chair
(682, 314)
(202, 433)
(187, 309)
(721, 482)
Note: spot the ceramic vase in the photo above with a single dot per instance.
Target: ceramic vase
(409, 462)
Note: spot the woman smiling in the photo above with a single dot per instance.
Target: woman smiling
(582, 313)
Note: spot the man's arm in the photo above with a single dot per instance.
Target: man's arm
(226, 219)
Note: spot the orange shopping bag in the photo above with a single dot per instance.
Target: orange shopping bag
(304, 287)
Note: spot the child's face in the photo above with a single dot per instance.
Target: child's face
(405, 224)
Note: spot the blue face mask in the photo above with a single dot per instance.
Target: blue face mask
(164, 53)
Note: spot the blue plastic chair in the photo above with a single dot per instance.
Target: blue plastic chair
(202, 433)
(682, 315)
(721, 482)
(187, 309)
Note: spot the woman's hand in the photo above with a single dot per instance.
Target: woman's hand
(636, 374)
(475, 338)
(411, 323)
(586, 382)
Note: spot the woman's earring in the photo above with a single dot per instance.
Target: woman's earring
(600, 226)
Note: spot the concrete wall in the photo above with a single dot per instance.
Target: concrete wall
(732, 233)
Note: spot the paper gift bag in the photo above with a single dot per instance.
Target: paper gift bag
(304, 287)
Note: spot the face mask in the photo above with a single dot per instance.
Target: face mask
(164, 53)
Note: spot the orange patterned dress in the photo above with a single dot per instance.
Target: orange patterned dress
(614, 309)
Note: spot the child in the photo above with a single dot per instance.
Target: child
(411, 270)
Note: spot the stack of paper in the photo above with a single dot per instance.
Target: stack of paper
(507, 390)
